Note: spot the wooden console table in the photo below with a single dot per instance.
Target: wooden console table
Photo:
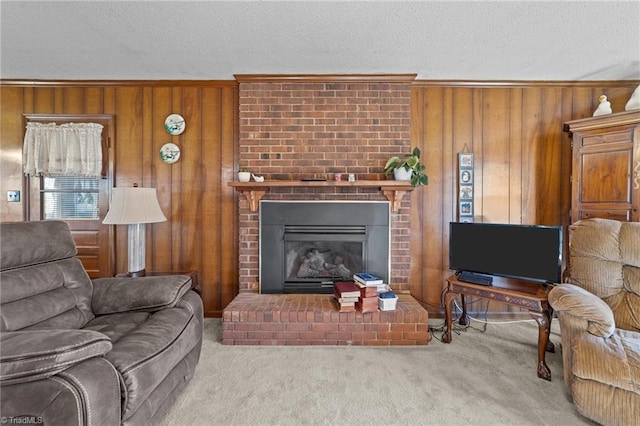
(254, 191)
(523, 294)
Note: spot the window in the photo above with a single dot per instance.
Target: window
(70, 197)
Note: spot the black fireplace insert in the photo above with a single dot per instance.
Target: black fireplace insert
(306, 246)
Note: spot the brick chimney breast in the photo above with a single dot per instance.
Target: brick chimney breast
(295, 128)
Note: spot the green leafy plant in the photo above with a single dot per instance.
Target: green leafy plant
(411, 163)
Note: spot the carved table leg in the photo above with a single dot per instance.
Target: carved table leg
(448, 298)
(550, 346)
(544, 324)
(464, 319)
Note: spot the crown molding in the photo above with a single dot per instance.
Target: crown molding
(321, 78)
(524, 83)
(325, 78)
(108, 83)
(603, 121)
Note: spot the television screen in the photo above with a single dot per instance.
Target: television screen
(528, 252)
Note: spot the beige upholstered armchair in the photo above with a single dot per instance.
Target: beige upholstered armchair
(599, 313)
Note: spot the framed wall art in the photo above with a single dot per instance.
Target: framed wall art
(465, 187)
(466, 192)
(466, 208)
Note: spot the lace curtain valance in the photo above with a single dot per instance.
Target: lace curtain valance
(66, 149)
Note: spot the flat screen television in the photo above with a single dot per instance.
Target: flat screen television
(527, 252)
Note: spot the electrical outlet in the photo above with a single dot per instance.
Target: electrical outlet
(13, 196)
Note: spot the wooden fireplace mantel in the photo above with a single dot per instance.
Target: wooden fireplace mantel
(254, 191)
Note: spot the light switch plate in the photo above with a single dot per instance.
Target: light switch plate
(13, 196)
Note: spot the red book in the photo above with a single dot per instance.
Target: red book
(367, 291)
(367, 304)
(345, 289)
(373, 301)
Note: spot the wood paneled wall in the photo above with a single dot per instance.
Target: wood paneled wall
(514, 130)
(201, 231)
(522, 160)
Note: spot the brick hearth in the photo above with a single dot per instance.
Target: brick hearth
(313, 319)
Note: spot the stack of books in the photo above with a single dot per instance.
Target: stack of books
(368, 285)
(346, 294)
(367, 279)
(370, 280)
(367, 304)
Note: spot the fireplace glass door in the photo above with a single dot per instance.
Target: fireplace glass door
(317, 256)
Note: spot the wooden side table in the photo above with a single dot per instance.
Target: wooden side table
(523, 294)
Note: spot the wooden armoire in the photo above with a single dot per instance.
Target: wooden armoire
(605, 179)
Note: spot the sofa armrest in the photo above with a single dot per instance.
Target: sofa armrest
(126, 294)
(32, 355)
(585, 307)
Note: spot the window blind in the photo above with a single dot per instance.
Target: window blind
(70, 197)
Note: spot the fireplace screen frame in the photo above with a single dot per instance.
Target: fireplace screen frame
(371, 219)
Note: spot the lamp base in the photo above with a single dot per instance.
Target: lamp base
(136, 274)
(136, 246)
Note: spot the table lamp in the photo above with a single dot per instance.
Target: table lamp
(135, 207)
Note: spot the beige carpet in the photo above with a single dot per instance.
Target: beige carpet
(481, 378)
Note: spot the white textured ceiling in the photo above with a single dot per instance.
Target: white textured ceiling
(446, 40)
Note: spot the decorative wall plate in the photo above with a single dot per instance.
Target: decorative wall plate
(169, 153)
(174, 124)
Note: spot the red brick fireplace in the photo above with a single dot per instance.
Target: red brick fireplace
(315, 126)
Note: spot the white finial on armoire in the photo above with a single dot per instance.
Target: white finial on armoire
(634, 100)
(604, 108)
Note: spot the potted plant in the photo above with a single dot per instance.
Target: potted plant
(244, 175)
(408, 168)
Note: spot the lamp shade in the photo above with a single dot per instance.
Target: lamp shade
(134, 205)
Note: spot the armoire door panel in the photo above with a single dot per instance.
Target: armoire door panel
(605, 177)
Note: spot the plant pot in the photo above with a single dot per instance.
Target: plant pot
(244, 176)
(402, 174)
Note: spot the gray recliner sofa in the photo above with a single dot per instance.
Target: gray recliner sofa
(76, 351)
